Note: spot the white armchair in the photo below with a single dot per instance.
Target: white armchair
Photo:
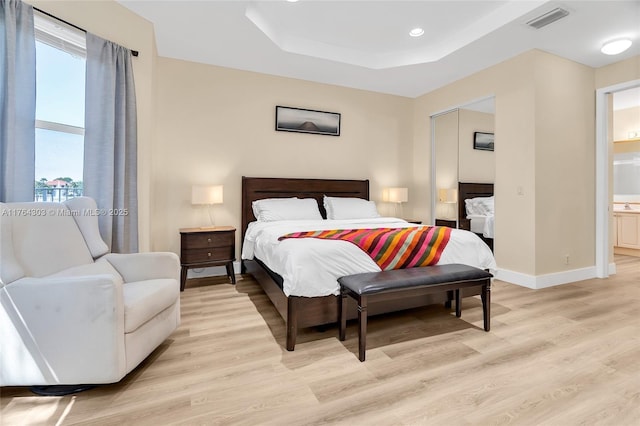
(70, 312)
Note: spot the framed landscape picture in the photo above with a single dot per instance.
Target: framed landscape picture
(483, 141)
(307, 121)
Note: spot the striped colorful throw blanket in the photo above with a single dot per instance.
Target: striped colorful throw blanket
(391, 248)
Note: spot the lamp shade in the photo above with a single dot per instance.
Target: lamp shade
(396, 195)
(203, 194)
(447, 195)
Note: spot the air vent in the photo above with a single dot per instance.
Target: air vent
(547, 18)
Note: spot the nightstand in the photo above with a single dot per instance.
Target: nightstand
(451, 223)
(204, 247)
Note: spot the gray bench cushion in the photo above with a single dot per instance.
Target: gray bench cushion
(397, 279)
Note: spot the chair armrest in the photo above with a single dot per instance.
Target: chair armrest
(62, 330)
(145, 266)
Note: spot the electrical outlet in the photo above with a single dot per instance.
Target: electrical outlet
(566, 259)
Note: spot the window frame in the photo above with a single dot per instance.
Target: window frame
(72, 41)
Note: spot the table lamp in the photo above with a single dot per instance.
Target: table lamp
(396, 196)
(448, 196)
(207, 195)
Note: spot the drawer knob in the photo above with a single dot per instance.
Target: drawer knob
(208, 240)
(209, 254)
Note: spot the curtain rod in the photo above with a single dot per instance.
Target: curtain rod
(133, 52)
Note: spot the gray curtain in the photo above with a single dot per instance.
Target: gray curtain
(17, 101)
(110, 142)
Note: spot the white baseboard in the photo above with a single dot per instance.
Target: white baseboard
(548, 280)
(213, 271)
(612, 269)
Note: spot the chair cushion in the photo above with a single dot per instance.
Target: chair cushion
(46, 239)
(101, 266)
(143, 300)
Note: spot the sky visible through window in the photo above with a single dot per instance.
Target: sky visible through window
(60, 79)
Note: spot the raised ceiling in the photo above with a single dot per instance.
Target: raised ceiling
(366, 44)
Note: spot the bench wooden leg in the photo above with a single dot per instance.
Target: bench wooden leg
(362, 327)
(486, 305)
(458, 303)
(342, 313)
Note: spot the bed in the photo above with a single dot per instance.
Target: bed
(301, 311)
(481, 223)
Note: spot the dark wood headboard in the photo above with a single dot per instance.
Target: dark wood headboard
(471, 190)
(255, 188)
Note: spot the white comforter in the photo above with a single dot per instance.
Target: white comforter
(482, 224)
(310, 267)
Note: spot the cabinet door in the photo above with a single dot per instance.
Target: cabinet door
(628, 230)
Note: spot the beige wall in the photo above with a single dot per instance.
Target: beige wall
(625, 121)
(512, 84)
(565, 158)
(475, 165)
(544, 124)
(215, 125)
(111, 21)
(618, 72)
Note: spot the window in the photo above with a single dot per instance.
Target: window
(60, 82)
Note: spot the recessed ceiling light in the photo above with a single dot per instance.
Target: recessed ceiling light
(292, 1)
(614, 47)
(416, 32)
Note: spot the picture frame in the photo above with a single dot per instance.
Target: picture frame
(483, 141)
(300, 120)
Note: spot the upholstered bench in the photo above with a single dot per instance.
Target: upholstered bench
(411, 282)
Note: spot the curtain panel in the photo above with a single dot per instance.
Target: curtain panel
(17, 101)
(110, 142)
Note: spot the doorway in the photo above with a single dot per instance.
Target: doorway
(604, 245)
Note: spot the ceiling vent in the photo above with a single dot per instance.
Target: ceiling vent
(548, 18)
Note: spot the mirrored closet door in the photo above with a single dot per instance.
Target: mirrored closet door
(464, 168)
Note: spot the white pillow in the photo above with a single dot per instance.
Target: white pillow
(483, 206)
(258, 205)
(272, 209)
(349, 208)
(489, 205)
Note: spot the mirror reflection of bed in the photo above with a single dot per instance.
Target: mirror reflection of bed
(476, 210)
(458, 165)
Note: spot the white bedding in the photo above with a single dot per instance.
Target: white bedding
(482, 224)
(310, 267)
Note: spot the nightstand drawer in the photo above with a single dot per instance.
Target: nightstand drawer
(214, 254)
(208, 239)
(446, 222)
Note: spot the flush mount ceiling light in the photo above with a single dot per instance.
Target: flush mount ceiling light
(416, 32)
(614, 47)
(292, 1)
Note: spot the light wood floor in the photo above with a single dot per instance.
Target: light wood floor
(567, 355)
